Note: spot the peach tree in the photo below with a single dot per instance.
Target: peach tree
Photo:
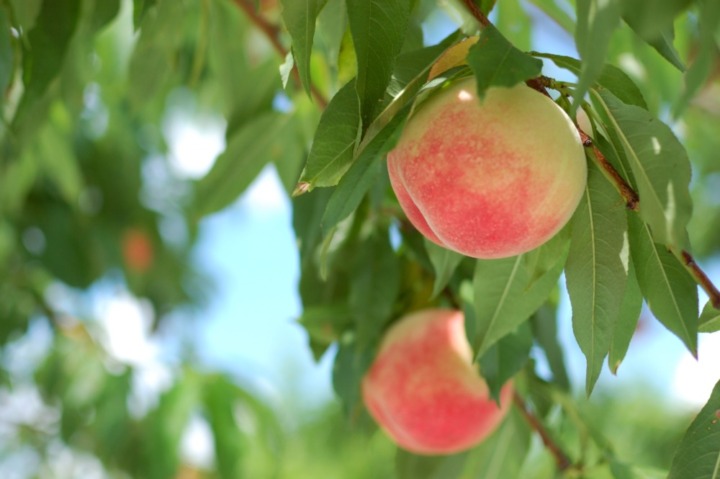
(324, 92)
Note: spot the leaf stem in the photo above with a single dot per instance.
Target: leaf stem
(561, 458)
(272, 32)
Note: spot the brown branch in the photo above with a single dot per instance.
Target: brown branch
(632, 200)
(701, 278)
(272, 32)
(477, 13)
(561, 459)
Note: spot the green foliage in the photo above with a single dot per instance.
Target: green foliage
(88, 88)
(699, 452)
(597, 270)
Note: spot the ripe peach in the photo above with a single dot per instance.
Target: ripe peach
(491, 178)
(423, 389)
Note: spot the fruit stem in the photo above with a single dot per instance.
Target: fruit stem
(561, 459)
(272, 32)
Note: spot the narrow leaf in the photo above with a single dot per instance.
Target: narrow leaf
(506, 358)
(444, 261)
(698, 455)
(219, 401)
(299, 17)
(496, 62)
(247, 152)
(702, 65)
(659, 164)
(335, 139)
(709, 321)
(630, 309)
(596, 22)
(596, 270)
(669, 290)
(375, 286)
(545, 331)
(413, 466)
(508, 291)
(357, 181)
(49, 41)
(6, 55)
(378, 30)
(652, 20)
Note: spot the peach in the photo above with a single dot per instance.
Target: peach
(137, 250)
(488, 178)
(425, 392)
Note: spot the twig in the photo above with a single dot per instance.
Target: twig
(632, 200)
(272, 32)
(477, 13)
(561, 459)
(701, 278)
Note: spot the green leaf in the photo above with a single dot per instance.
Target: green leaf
(669, 290)
(165, 427)
(506, 358)
(513, 19)
(6, 56)
(220, 402)
(545, 331)
(48, 41)
(161, 36)
(709, 321)
(702, 65)
(496, 62)
(26, 12)
(698, 455)
(246, 88)
(627, 321)
(596, 22)
(140, 8)
(378, 31)
(361, 175)
(508, 291)
(596, 270)
(652, 20)
(444, 262)
(351, 363)
(335, 139)
(375, 286)
(413, 466)
(650, 17)
(611, 77)
(555, 12)
(500, 456)
(247, 152)
(299, 17)
(659, 164)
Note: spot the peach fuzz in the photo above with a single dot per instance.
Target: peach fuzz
(425, 392)
(492, 178)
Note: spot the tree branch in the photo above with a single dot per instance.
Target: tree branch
(477, 13)
(561, 459)
(700, 277)
(272, 32)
